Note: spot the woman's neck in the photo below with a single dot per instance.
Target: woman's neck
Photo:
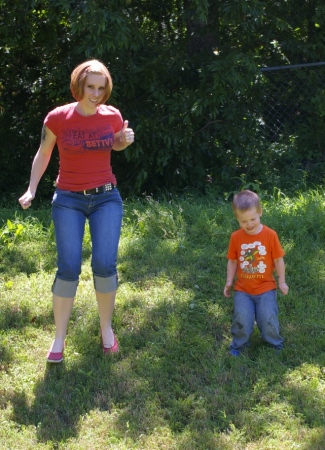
(84, 111)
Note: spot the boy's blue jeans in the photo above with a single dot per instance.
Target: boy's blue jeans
(264, 309)
(104, 213)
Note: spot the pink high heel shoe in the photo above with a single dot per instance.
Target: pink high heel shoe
(113, 349)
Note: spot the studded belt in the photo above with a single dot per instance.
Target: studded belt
(98, 190)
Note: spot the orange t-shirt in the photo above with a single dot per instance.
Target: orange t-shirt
(255, 255)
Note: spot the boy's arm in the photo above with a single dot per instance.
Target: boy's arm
(231, 272)
(280, 270)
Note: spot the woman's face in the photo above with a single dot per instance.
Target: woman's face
(94, 90)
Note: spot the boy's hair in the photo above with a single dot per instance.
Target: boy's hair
(245, 200)
(79, 74)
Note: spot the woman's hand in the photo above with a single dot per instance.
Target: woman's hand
(123, 138)
(26, 199)
(127, 134)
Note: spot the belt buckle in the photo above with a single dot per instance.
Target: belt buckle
(85, 192)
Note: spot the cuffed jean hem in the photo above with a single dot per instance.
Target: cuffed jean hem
(64, 288)
(105, 284)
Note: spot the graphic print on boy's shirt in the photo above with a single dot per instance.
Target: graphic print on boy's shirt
(255, 257)
(79, 141)
(252, 258)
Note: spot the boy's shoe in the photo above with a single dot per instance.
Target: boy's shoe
(277, 350)
(234, 352)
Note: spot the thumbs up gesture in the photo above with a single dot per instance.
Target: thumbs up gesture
(126, 134)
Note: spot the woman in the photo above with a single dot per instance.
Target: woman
(85, 133)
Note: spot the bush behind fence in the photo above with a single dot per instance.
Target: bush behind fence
(293, 117)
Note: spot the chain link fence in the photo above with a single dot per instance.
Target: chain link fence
(293, 99)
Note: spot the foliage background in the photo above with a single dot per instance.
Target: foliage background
(187, 76)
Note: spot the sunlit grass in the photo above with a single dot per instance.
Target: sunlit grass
(173, 385)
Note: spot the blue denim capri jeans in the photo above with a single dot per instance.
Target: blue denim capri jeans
(264, 309)
(69, 212)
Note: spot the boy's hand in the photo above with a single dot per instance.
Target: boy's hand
(227, 290)
(283, 288)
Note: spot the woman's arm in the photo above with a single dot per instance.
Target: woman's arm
(40, 163)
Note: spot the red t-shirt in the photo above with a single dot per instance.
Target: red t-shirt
(255, 255)
(84, 144)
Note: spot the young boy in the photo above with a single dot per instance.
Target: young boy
(253, 254)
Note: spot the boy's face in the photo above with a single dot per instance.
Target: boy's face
(250, 220)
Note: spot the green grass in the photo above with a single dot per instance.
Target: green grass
(173, 385)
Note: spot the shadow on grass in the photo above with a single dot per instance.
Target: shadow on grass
(15, 261)
(32, 250)
(164, 377)
(173, 369)
(60, 401)
(6, 355)
(169, 372)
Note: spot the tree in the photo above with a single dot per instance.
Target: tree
(186, 74)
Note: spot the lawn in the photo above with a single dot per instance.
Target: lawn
(173, 384)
